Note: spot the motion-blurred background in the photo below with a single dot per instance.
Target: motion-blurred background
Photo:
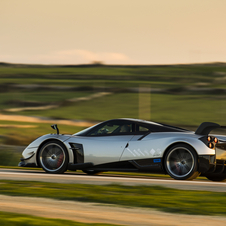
(76, 63)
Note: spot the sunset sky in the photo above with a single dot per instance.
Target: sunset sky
(114, 32)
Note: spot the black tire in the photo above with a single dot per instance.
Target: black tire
(53, 157)
(181, 162)
(216, 177)
(92, 172)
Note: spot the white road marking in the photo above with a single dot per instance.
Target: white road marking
(114, 178)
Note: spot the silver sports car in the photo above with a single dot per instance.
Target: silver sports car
(132, 145)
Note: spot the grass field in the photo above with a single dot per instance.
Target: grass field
(19, 99)
(160, 198)
(180, 74)
(13, 219)
(23, 135)
(175, 107)
(187, 111)
(180, 110)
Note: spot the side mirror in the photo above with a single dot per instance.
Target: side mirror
(54, 126)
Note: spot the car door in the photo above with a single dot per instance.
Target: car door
(140, 148)
(106, 143)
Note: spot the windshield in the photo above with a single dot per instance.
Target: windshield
(85, 130)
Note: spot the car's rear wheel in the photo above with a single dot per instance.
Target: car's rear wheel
(53, 157)
(92, 172)
(181, 162)
(216, 177)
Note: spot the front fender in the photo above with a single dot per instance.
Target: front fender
(30, 152)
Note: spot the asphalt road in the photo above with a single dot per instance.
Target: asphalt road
(103, 179)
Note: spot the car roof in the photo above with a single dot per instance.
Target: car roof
(141, 120)
(150, 123)
(157, 127)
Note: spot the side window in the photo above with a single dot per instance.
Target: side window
(143, 129)
(112, 128)
(126, 128)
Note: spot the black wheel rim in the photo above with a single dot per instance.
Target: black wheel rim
(180, 162)
(52, 157)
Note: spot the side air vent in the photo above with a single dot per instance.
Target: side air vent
(78, 152)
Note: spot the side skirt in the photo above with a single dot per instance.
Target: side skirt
(141, 165)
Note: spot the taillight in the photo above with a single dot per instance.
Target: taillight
(209, 141)
(210, 145)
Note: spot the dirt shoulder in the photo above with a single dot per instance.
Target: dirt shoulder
(20, 118)
(97, 213)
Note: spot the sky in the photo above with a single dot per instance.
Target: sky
(112, 31)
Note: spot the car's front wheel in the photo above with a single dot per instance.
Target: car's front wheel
(53, 157)
(181, 162)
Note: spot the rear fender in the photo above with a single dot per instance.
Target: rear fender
(196, 144)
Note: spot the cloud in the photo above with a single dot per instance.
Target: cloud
(87, 56)
(73, 56)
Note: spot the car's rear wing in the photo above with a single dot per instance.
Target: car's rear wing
(206, 127)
